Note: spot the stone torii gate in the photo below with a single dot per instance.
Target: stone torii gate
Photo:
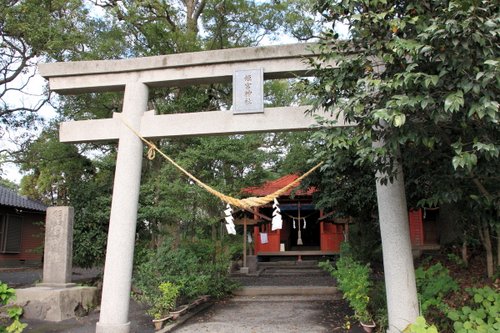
(135, 77)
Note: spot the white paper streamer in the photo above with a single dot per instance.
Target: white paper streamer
(229, 220)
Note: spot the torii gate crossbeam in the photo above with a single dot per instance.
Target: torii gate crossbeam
(135, 77)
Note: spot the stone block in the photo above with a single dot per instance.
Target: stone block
(252, 264)
(58, 250)
(56, 304)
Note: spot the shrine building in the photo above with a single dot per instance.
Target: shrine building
(306, 231)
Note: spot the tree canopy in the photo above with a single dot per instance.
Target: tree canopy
(423, 77)
(82, 175)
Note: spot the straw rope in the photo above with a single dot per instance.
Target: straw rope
(246, 203)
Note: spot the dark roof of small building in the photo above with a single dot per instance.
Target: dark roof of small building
(10, 198)
(274, 185)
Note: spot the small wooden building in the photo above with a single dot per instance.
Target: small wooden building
(424, 228)
(304, 233)
(21, 230)
(307, 231)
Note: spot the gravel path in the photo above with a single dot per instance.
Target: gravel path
(267, 314)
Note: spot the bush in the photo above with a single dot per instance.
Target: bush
(420, 326)
(13, 312)
(481, 316)
(433, 284)
(198, 267)
(378, 305)
(353, 280)
(166, 301)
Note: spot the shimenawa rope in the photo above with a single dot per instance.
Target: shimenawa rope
(245, 203)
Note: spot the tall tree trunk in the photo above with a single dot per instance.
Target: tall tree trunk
(484, 234)
(465, 255)
(484, 231)
(498, 246)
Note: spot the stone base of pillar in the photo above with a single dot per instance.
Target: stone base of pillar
(56, 285)
(56, 304)
(112, 328)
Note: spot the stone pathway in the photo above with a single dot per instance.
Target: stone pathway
(271, 314)
(296, 312)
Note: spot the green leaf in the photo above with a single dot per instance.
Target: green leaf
(426, 48)
(399, 120)
(478, 298)
(453, 315)
(454, 101)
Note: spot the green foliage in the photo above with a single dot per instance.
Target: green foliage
(198, 267)
(378, 305)
(6, 293)
(60, 174)
(8, 184)
(13, 312)
(353, 279)
(165, 300)
(423, 77)
(433, 285)
(481, 315)
(420, 326)
(30, 31)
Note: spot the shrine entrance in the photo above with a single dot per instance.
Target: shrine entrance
(303, 228)
(247, 68)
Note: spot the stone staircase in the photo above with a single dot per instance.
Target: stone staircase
(297, 278)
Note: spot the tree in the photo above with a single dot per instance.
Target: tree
(61, 174)
(169, 203)
(33, 31)
(29, 31)
(422, 77)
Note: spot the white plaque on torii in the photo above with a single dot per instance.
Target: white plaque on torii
(248, 91)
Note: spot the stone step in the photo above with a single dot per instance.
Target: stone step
(287, 290)
(288, 264)
(293, 271)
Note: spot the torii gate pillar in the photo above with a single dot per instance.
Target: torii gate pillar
(122, 224)
(399, 273)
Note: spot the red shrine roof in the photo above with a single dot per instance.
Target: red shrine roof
(274, 185)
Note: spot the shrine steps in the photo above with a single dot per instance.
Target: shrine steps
(287, 268)
(311, 291)
(287, 278)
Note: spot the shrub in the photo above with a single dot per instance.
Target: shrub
(481, 316)
(197, 267)
(13, 312)
(420, 326)
(433, 284)
(353, 280)
(378, 305)
(166, 300)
